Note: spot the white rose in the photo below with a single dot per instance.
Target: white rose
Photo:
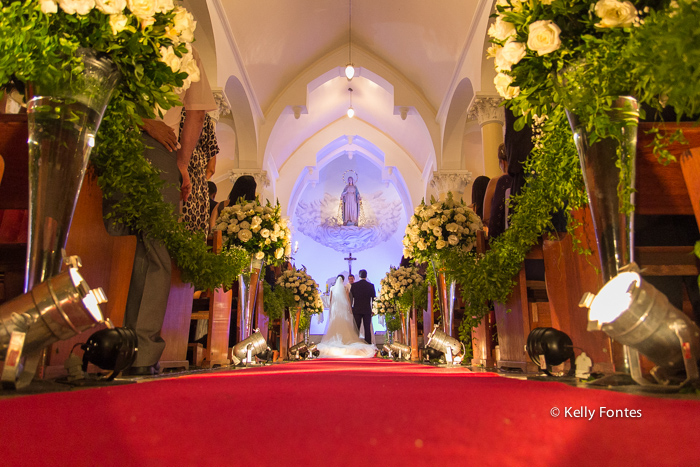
(501, 30)
(452, 240)
(167, 56)
(234, 208)
(511, 5)
(164, 6)
(189, 66)
(460, 218)
(221, 227)
(255, 229)
(543, 37)
(244, 235)
(244, 225)
(259, 255)
(184, 23)
(118, 23)
(49, 6)
(142, 9)
(256, 221)
(279, 252)
(502, 82)
(287, 249)
(110, 7)
(421, 245)
(452, 227)
(81, 7)
(437, 231)
(509, 55)
(614, 13)
(433, 223)
(440, 244)
(265, 233)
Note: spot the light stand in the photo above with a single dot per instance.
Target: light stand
(548, 347)
(634, 313)
(297, 349)
(56, 309)
(247, 349)
(451, 347)
(402, 351)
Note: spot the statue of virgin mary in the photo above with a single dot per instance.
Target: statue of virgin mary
(350, 198)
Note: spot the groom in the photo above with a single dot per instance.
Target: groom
(361, 295)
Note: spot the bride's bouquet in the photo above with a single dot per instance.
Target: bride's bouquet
(260, 230)
(305, 293)
(440, 228)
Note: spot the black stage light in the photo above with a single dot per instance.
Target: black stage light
(111, 349)
(548, 347)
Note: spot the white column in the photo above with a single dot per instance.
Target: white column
(455, 181)
(491, 117)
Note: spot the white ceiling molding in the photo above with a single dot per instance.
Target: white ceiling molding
(216, 9)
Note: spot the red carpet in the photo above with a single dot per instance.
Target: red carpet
(349, 412)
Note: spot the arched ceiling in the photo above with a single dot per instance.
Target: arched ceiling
(278, 39)
(286, 57)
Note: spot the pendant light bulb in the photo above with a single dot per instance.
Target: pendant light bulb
(349, 71)
(351, 111)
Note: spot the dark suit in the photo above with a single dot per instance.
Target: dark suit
(362, 292)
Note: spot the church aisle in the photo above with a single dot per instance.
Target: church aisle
(346, 412)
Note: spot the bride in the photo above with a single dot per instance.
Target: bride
(342, 338)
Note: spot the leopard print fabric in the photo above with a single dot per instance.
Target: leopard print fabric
(195, 212)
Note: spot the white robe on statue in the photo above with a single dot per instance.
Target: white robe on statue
(341, 339)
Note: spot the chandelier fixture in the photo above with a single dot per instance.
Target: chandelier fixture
(350, 69)
(351, 111)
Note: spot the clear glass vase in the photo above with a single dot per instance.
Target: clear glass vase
(600, 163)
(63, 117)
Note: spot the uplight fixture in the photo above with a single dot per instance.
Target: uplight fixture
(450, 346)
(635, 314)
(548, 347)
(250, 347)
(298, 351)
(57, 309)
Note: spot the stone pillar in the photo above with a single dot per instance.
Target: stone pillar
(491, 116)
(455, 181)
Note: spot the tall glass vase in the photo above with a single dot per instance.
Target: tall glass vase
(246, 328)
(447, 295)
(600, 163)
(63, 121)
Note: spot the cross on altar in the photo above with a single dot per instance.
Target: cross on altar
(349, 259)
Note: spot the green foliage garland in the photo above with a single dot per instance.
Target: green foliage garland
(653, 52)
(39, 47)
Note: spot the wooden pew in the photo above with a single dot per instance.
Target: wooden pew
(219, 316)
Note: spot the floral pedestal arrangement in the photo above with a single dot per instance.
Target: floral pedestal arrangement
(435, 232)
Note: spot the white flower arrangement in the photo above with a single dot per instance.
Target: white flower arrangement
(439, 228)
(126, 15)
(304, 289)
(394, 286)
(258, 229)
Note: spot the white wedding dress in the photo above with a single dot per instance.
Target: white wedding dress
(341, 339)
